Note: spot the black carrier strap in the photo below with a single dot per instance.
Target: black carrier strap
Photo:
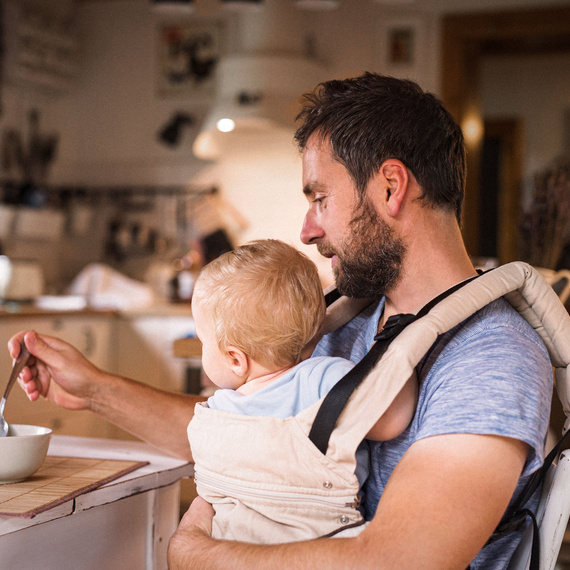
(335, 401)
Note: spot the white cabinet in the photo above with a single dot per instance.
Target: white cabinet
(144, 349)
(92, 335)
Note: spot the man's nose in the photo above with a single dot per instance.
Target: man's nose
(311, 231)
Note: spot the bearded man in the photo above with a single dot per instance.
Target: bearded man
(384, 176)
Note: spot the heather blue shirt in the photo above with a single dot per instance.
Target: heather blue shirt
(489, 375)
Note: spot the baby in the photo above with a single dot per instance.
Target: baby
(258, 311)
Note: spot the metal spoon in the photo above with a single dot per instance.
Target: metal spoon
(19, 364)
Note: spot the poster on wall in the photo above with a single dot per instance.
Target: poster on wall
(402, 47)
(188, 55)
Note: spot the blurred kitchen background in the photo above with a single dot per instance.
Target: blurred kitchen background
(116, 186)
(108, 106)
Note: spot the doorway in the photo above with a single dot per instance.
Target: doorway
(500, 183)
(466, 40)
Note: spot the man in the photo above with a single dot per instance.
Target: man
(383, 172)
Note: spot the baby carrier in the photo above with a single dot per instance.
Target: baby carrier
(307, 488)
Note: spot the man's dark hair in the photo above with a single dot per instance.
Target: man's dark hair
(372, 118)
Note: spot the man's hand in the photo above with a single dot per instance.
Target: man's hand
(195, 525)
(57, 372)
(61, 374)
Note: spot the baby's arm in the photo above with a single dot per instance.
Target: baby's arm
(399, 415)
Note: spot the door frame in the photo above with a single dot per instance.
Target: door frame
(466, 39)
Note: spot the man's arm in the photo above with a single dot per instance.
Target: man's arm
(399, 415)
(441, 504)
(62, 375)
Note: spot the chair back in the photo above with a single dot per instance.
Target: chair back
(552, 517)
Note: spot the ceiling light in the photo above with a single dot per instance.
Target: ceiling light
(226, 125)
(259, 94)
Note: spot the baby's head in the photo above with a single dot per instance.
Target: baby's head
(264, 298)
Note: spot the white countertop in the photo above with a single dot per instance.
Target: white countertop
(161, 471)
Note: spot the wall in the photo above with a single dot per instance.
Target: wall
(535, 88)
(108, 121)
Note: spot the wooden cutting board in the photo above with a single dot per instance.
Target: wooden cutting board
(58, 480)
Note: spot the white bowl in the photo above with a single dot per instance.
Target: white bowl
(22, 452)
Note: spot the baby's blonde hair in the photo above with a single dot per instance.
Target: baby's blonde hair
(265, 298)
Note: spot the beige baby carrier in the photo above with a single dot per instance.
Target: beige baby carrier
(269, 482)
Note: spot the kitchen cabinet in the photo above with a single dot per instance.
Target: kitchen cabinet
(90, 333)
(144, 348)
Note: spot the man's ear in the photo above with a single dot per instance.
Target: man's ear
(394, 175)
(238, 361)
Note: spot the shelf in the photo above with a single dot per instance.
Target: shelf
(187, 348)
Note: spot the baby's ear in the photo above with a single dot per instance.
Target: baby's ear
(238, 361)
(310, 346)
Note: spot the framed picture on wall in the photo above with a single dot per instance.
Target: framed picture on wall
(401, 47)
(187, 58)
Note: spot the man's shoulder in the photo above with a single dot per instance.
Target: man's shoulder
(498, 319)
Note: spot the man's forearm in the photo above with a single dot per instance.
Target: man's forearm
(157, 417)
(429, 517)
(192, 548)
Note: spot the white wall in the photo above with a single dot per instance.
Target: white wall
(108, 122)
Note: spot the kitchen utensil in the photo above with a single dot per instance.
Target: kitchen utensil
(19, 364)
(23, 452)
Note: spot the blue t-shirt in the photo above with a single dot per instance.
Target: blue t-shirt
(489, 375)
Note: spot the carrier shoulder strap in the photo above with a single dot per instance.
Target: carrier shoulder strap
(335, 401)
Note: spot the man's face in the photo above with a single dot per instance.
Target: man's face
(366, 256)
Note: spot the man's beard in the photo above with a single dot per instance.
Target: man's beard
(370, 261)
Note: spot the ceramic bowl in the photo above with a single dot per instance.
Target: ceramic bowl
(22, 452)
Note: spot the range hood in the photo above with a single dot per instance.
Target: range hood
(257, 100)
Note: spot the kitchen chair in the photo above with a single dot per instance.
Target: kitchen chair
(553, 511)
(561, 284)
(552, 517)
(558, 280)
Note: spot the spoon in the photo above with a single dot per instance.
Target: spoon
(19, 364)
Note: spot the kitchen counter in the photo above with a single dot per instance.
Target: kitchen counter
(124, 524)
(12, 310)
(33, 310)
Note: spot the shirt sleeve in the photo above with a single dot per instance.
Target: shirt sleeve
(496, 381)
